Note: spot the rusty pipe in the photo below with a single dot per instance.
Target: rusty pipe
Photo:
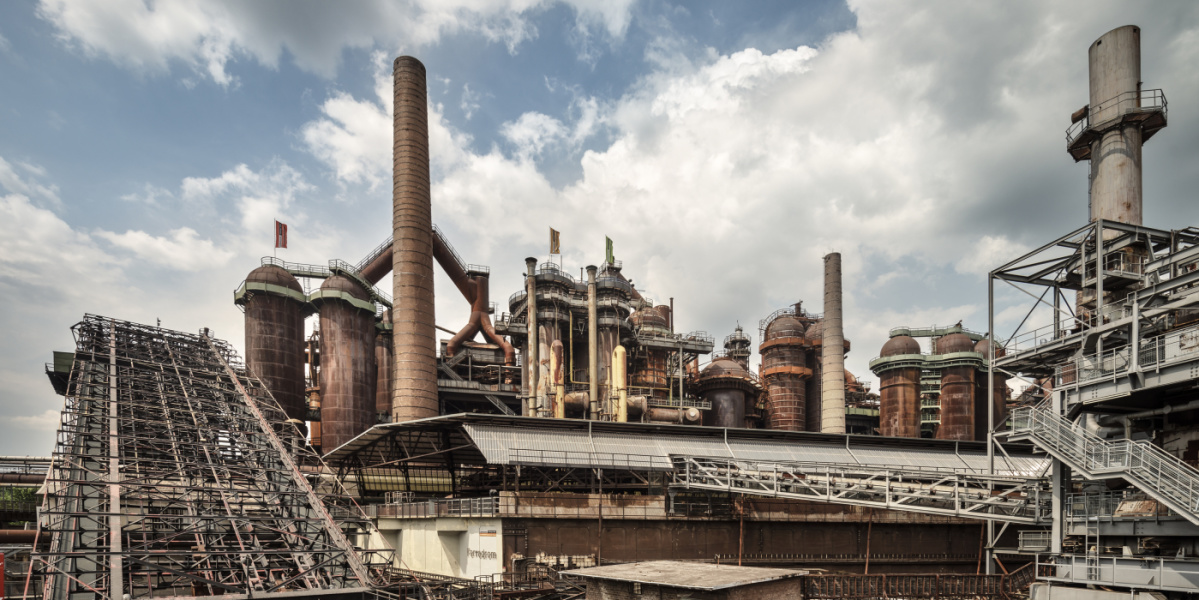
(689, 415)
(620, 380)
(637, 407)
(480, 320)
(558, 375)
(576, 403)
(17, 536)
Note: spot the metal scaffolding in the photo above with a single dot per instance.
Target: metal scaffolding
(177, 474)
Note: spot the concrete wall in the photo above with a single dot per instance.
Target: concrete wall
(446, 546)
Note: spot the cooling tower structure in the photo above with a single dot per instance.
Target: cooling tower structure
(348, 371)
(275, 307)
(957, 390)
(832, 352)
(414, 393)
(899, 405)
(785, 369)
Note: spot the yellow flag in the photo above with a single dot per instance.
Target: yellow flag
(555, 242)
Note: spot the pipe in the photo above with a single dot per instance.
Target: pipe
(637, 407)
(17, 536)
(471, 287)
(1165, 410)
(620, 380)
(592, 345)
(414, 333)
(531, 362)
(689, 415)
(556, 372)
(576, 403)
(832, 354)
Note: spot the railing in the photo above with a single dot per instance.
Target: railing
(1032, 540)
(1143, 572)
(373, 254)
(446, 242)
(1114, 108)
(336, 265)
(568, 458)
(455, 507)
(1161, 475)
(933, 331)
(1040, 336)
(299, 269)
(1168, 348)
(1092, 367)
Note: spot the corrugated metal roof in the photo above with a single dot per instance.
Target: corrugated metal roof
(583, 447)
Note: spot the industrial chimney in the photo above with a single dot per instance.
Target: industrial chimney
(414, 332)
(832, 354)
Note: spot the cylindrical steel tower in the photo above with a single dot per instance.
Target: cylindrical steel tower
(725, 384)
(651, 369)
(980, 391)
(532, 344)
(347, 361)
(832, 359)
(275, 312)
(593, 400)
(736, 347)
(414, 330)
(957, 390)
(384, 365)
(899, 404)
(785, 371)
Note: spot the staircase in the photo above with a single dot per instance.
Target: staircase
(1161, 475)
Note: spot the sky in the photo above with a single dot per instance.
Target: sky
(146, 148)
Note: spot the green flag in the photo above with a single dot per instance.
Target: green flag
(608, 251)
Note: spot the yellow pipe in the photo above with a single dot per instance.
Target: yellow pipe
(556, 367)
(620, 379)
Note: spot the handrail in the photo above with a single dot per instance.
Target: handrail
(1115, 108)
(1158, 473)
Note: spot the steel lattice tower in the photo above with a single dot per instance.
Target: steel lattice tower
(175, 474)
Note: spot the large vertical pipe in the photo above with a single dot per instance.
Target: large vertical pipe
(1114, 62)
(592, 345)
(531, 361)
(556, 372)
(414, 332)
(832, 363)
(620, 383)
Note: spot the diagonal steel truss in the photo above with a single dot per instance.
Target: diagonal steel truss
(176, 474)
(933, 491)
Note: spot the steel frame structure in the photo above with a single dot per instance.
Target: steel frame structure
(177, 474)
(958, 494)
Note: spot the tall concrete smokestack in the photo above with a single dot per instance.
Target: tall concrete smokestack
(832, 354)
(1115, 73)
(414, 332)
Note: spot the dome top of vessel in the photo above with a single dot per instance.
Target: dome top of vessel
(275, 275)
(955, 342)
(900, 344)
(341, 283)
(785, 326)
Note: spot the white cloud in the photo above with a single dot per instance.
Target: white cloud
(207, 36)
(182, 249)
(13, 182)
(915, 149)
(46, 421)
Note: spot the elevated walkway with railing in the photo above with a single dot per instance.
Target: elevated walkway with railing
(956, 493)
(1155, 472)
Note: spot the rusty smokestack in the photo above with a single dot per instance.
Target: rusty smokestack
(414, 332)
(532, 363)
(592, 346)
(832, 357)
(1115, 76)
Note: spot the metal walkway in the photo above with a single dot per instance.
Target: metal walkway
(1152, 470)
(966, 494)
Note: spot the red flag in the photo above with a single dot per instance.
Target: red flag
(280, 234)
